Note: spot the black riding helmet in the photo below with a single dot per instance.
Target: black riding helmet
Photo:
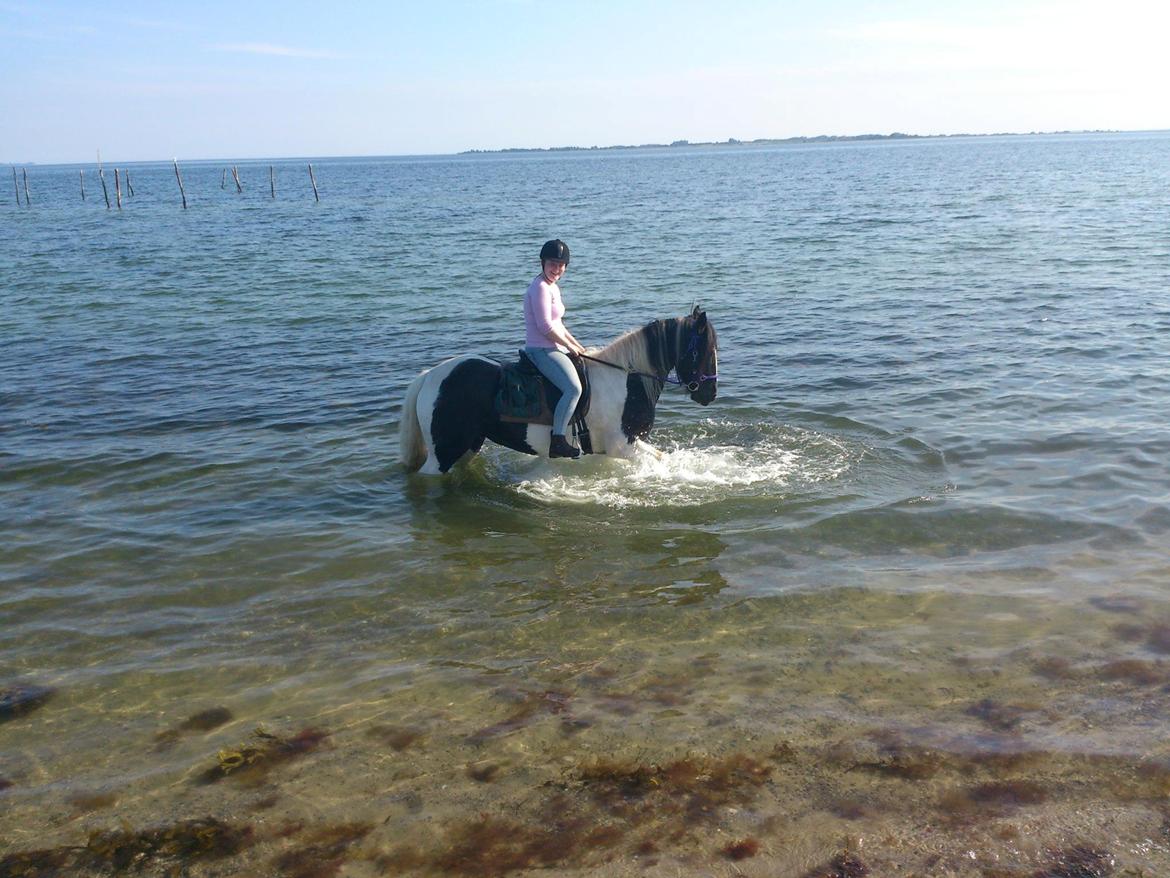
(556, 249)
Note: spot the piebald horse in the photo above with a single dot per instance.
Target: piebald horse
(449, 409)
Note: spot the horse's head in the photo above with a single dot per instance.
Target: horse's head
(698, 358)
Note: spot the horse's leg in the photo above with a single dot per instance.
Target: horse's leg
(646, 448)
(617, 445)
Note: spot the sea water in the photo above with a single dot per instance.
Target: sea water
(900, 596)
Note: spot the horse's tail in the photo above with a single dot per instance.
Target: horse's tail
(412, 447)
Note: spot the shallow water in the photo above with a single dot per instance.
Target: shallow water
(911, 564)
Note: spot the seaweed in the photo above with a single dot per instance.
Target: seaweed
(742, 849)
(844, 865)
(492, 846)
(783, 753)
(204, 721)
(487, 847)
(573, 725)
(323, 853)
(1078, 862)
(121, 850)
(86, 802)
(994, 798)
(5, 783)
(848, 810)
(1002, 717)
(1141, 673)
(1131, 632)
(23, 699)
(483, 773)
(45, 863)
(1008, 792)
(1158, 638)
(896, 758)
(1118, 604)
(405, 858)
(264, 752)
(203, 838)
(694, 787)
(398, 738)
(1054, 668)
(531, 707)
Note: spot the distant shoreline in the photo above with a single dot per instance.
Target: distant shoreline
(731, 142)
(774, 141)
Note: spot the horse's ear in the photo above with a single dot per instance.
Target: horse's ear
(695, 312)
(700, 320)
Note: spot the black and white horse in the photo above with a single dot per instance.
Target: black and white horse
(449, 410)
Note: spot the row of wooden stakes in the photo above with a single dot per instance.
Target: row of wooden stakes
(120, 175)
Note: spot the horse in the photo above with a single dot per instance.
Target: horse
(449, 410)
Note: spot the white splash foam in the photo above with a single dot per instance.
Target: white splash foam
(687, 474)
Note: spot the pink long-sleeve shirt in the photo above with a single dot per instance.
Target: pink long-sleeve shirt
(543, 311)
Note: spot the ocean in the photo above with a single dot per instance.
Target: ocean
(897, 601)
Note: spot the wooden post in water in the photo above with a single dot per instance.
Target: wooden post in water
(223, 180)
(24, 171)
(236, 177)
(16, 185)
(313, 179)
(272, 180)
(182, 191)
(82, 173)
(117, 188)
(129, 185)
(105, 191)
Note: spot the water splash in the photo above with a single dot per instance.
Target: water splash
(719, 462)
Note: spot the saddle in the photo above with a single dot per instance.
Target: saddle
(525, 396)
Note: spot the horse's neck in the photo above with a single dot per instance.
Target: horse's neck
(652, 349)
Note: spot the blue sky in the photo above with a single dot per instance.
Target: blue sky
(240, 80)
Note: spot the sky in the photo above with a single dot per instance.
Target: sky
(215, 79)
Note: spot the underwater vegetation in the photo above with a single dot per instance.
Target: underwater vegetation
(1001, 717)
(531, 706)
(322, 852)
(693, 788)
(263, 753)
(494, 846)
(398, 738)
(742, 849)
(204, 721)
(86, 802)
(844, 865)
(123, 850)
(17, 701)
(1075, 862)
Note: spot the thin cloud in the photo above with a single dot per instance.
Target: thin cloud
(271, 49)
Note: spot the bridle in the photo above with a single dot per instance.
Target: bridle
(698, 377)
(691, 385)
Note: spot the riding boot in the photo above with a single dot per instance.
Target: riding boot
(560, 447)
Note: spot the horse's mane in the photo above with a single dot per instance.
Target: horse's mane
(643, 349)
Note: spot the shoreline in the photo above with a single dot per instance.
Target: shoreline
(779, 141)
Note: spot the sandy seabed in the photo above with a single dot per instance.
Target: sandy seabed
(839, 757)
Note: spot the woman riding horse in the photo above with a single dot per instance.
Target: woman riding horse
(548, 342)
(451, 408)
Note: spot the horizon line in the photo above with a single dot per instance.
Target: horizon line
(676, 144)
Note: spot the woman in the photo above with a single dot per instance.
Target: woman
(549, 343)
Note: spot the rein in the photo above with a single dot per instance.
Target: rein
(691, 386)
